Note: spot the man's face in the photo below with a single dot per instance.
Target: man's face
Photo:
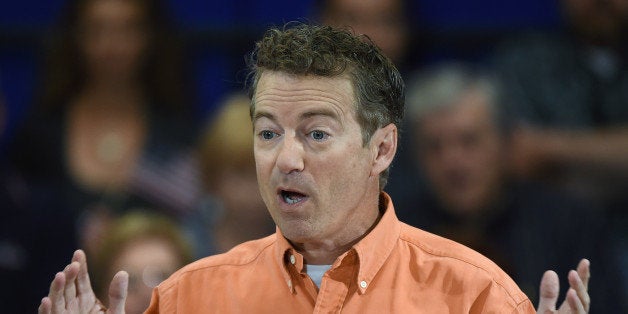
(149, 261)
(382, 20)
(461, 154)
(114, 39)
(315, 176)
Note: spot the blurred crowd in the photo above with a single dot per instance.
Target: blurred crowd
(520, 154)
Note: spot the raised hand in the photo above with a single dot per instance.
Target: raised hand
(71, 291)
(577, 299)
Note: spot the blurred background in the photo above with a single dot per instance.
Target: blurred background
(218, 35)
(515, 141)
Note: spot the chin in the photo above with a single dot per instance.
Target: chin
(296, 233)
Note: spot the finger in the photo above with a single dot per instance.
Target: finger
(548, 292)
(118, 292)
(574, 302)
(55, 295)
(45, 307)
(579, 288)
(70, 272)
(83, 285)
(584, 271)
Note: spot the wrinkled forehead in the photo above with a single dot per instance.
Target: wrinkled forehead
(276, 87)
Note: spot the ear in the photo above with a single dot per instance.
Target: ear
(384, 147)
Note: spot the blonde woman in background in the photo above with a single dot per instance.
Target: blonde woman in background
(146, 245)
(235, 210)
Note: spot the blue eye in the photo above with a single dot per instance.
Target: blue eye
(267, 135)
(318, 135)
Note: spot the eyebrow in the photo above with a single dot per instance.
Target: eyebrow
(258, 115)
(319, 112)
(306, 115)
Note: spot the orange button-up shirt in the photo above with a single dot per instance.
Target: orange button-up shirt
(394, 269)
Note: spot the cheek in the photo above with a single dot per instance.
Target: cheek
(347, 171)
(430, 161)
(488, 158)
(263, 169)
(262, 162)
(434, 166)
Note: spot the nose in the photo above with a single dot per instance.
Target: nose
(290, 155)
(453, 154)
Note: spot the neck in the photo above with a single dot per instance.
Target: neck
(325, 252)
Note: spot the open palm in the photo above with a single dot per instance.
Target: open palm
(71, 291)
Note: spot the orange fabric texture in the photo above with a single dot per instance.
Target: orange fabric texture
(394, 269)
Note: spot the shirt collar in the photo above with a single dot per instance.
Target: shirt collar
(288, 259)
(372, 250)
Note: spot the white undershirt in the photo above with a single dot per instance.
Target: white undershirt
(316, 272)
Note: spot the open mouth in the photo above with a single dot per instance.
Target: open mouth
(292, 197)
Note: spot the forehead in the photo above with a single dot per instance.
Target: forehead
(279, 90)
(367, 6)
(116, 9)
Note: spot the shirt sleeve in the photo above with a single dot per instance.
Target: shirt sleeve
(153, 308)
(525, 307)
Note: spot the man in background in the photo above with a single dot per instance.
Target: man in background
(461, 146)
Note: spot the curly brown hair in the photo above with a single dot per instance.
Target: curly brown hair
(305, 49)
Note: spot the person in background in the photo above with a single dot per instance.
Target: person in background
(462, 149)
(148, 246)
(569, 93)
(383, 21)
(233, 204)
(572, 113)
(112, 126)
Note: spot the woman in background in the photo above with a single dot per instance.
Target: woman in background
(233, 208)
(112, 123)
(146, 245)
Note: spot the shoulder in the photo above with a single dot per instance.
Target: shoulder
(235, 259)
(212, 278)
(464, 264)
(455, 253)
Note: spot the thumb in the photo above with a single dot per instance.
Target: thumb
(549, 289)
(118, 292)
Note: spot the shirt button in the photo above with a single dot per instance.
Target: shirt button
(293, 260)
(363, 284)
